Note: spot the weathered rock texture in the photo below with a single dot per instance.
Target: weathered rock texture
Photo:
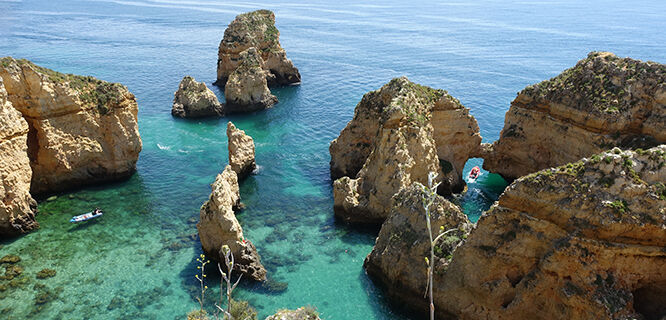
(246, 88)
(241, 151)
(603, 101)
(81, 130)
(17, 208)
(193, 99)
(396, 263)
(255, 29)
(581, 241)
(218, 226)
(302, 313)
(398, 135)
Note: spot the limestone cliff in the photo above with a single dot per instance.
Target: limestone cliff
(456, 132)
(582, 241)
(255, 29)
(246, 88)
(402, 155)
(398, 135)
(218, 226)
(81, 130)
(241, 151)
(396, 262)
(193, 99)
(17, 208)
(603, 101)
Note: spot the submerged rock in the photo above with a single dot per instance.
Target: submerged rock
(17, 207)
(80, 130)
(398, 135)
(46, 273)
(302, 313)
(247, 89)
(255, 29)
(396, 262)
(582, 241)
(602, 102)
(218, 226)
(193, 99)
(241, 151)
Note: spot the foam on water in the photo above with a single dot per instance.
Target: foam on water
(138, 259)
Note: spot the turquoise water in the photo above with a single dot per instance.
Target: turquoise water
(138, 260)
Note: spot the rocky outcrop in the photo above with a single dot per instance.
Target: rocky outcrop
(602, 102)
(218, 226)
(193, 100)
(81, 130)
(396, 263)
(398, 135)
(17, 208)
(582, 241)
(302, 313)
(246, 89)
(241, 151)
(255, 29)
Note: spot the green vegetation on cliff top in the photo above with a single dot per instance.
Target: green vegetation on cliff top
(600, 82)
(91, 90)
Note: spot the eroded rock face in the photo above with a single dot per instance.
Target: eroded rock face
(396, 263)
(581, 241)
(218, 226)
(398, 135)
(81, 130)
(456, 132)
(255, 29)
(193, 99)
(17, 207)
(603, 101)
(402, 155)
(246, 89)
(241, 151)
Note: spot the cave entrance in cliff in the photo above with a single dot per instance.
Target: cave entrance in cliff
(650, 301)
(482, 192)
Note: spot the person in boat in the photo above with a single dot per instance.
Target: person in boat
(474, 173)
(96, 211)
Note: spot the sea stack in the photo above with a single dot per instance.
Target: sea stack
(193, 100)
(241, 151)
(602, 102)
(218, 226)
(255, 29)
(17, 207)
(81, 130)
(398, 135)
(246, 89)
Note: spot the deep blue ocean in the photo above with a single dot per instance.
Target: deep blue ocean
(138, 260)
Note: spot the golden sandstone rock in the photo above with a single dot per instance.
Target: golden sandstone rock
(193, 99)
(241, 151)
(246, 89)
(255, 29)
(81, 130)
(398, 135)
(17, 208)
(602, 102)
(218, 226)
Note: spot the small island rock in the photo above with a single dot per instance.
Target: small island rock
(193, 99)
(302, 313)
(241, 151)
(246, 88)
(218, 226)
(255, 29)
